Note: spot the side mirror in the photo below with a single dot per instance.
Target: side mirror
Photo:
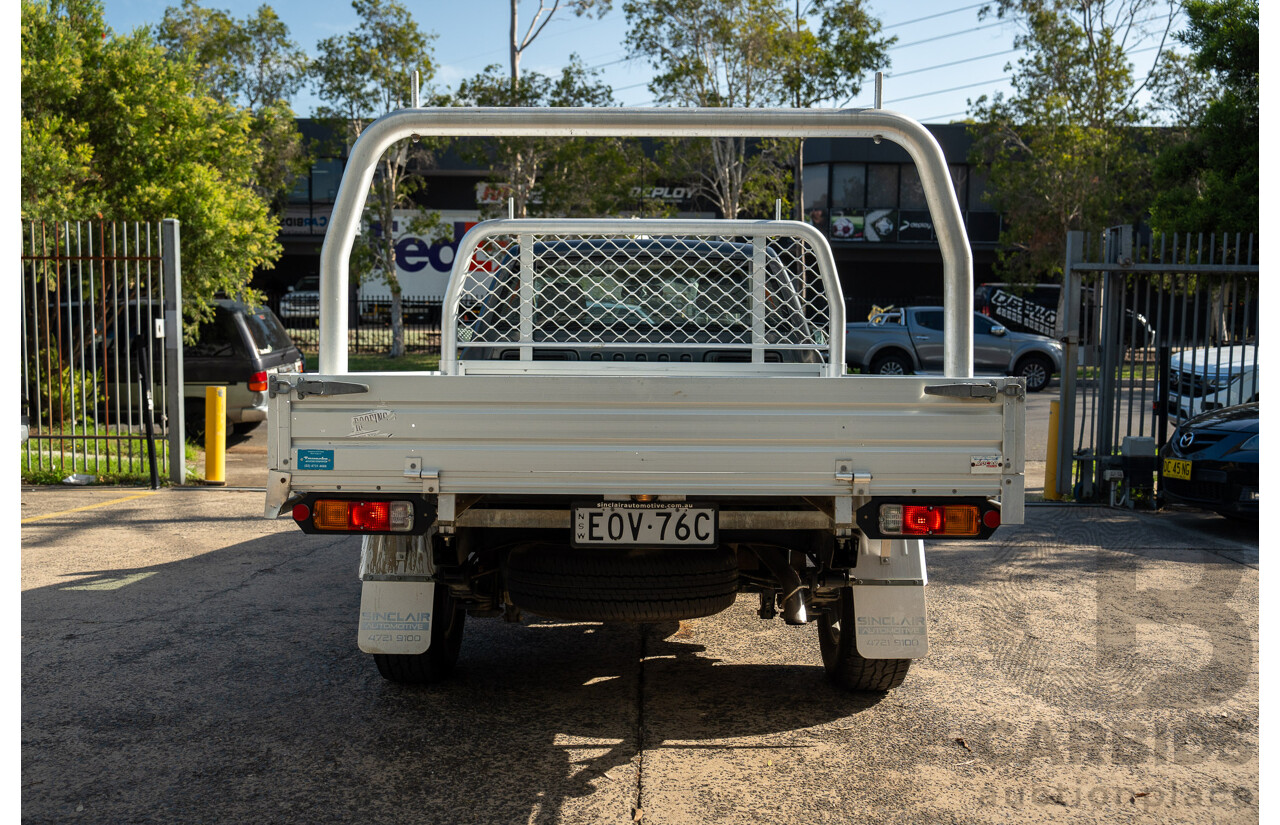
(289, 289)
(998, 331)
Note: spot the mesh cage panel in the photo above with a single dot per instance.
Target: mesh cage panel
(675, 293)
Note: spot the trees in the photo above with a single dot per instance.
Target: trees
(744, 53)
(519, 42)
(828, 65)
(253, 64)
(111, 127)
(553, 176)
(1064, 150)
(1210, 182)
(362, 75)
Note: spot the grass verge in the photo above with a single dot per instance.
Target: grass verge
(380, 362)
(75, 452)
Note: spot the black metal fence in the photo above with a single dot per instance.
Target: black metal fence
(368, 322)
(1159, 329)
(95, 371)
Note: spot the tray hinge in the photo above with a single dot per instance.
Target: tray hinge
(283, 384)
(969, 389)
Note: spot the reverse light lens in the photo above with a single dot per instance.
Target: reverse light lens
(258, 382)
(363, 516)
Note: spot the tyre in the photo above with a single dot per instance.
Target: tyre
(1037, 369)
(891, 363)
(437, 661)
(844, 666)
(600, 584)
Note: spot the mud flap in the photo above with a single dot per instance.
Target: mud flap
(396, 594)
(888, 601)
(395, 617)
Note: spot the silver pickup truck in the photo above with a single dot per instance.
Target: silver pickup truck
(908, 340)
(638, 420)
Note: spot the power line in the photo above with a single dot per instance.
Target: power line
(934, 16)
(949, 34)
(952, 89)
(952, 63)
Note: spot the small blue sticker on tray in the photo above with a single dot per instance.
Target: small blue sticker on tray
(315, 459)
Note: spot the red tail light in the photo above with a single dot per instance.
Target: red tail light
(258, 382)
(921, 521)
(357, 516)
(963, 518)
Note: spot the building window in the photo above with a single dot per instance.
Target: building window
(848, 186)
(301, 191)
(816, 200)
(912, 195)
(882, 185)
(326, 174)
(960, 180)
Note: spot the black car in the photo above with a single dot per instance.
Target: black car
(1211, 462)
(238, 349)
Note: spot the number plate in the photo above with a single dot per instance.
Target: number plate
(644, 524)
(1177, 468)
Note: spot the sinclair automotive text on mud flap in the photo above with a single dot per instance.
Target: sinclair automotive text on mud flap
(638, 420)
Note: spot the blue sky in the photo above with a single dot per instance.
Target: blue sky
(945, 55)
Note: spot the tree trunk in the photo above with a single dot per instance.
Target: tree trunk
(515, 50)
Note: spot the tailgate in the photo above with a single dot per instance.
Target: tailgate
(601, 435)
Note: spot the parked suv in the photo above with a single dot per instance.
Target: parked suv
(238, 349)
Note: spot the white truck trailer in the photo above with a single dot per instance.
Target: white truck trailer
(637, 420)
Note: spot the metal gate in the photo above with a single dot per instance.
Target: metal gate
(101, 351)
(1159, 328)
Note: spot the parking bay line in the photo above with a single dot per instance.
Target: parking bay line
(87, 507)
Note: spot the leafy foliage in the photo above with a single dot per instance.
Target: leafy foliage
(112, 127)
(544, 14)
(1063, 150)
(745, 53)
(252, 64)
(1210, 182)
(555, 177)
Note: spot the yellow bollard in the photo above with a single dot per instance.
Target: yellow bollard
(215, 435)
(1051, 456)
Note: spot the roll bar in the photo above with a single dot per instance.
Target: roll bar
(957, 258)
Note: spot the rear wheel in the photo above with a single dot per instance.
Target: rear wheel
(891, 363)
(599, 584)
(844, 665)
(1037, 369)
(437, 662)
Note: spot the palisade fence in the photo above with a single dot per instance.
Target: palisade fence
(102, 325)
(1159, 328)
(368, 322)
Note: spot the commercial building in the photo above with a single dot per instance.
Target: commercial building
(866, 197)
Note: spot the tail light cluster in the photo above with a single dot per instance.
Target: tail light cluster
(974, 518)
(326, 513)
(258, 381)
